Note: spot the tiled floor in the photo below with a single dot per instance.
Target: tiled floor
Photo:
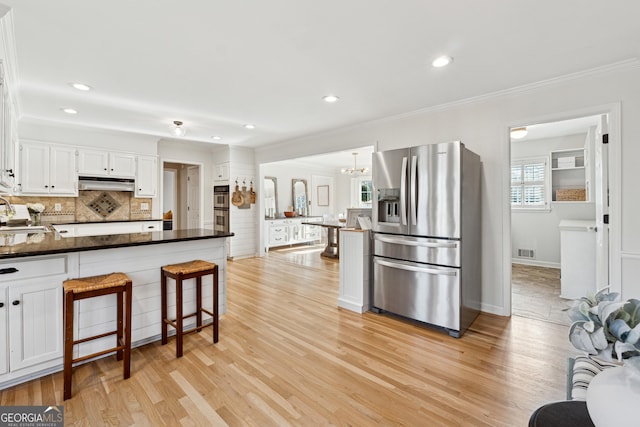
(536, 294)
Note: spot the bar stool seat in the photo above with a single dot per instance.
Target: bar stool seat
(180, 272)
(89, 287)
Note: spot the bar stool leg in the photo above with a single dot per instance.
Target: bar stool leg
(198, 302)
(179, 319)
(120, 326)
(215, 304)
(163, 304)
(127, 331)
(68, 343)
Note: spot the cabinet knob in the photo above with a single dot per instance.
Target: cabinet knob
(105, 168)
(46, 186)
(139, 189)
(53, 186)
(16, 302)
(111, 169)
(1, 304)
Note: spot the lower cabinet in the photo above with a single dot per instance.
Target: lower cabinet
(4, 328)
(282, 232)
(31, 330)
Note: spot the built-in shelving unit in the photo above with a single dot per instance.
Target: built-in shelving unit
(570, 175)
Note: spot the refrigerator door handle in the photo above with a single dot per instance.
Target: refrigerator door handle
(416, 268)
(404, 242)
(403, 192)
(414, 190)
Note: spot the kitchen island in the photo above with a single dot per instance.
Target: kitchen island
(31, 276)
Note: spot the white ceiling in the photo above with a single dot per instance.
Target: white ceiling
(217, 65)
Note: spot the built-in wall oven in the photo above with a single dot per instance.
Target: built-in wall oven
(221, 208)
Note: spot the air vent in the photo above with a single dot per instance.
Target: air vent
(526, 253)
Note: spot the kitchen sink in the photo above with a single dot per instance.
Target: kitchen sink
(24, 229)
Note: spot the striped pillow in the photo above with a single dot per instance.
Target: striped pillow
(584, 369)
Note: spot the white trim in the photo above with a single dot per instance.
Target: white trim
(613, 111)
(535, 263)
(630, 255)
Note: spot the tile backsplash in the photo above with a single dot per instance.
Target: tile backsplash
(91, 206)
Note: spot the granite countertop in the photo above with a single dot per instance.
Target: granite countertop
(32, 244)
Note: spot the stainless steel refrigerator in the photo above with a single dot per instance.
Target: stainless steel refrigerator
(426, 240)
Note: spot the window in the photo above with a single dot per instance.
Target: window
(361, 192)
(529, 184)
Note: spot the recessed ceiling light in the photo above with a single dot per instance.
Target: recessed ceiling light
(249, 126)
(80, 86)
(69, 110)
(330, 98)
(217, 138)
(442, 61)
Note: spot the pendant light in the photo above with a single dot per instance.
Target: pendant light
(177, 128)
(354, 170)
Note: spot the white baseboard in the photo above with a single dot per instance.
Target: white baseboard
(535, 263)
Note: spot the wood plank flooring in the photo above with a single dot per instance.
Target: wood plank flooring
(288, 356)
(536, 294)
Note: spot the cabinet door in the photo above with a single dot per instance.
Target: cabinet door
(63, 175)
(147, 176)
(93, 163)
(35, 330)
(222, 172)
(4, 326)
(34, 168)
(122, 164)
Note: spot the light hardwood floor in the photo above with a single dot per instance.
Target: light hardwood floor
(288, 356)
(536, 294)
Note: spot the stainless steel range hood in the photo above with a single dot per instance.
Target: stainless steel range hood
(106, 183)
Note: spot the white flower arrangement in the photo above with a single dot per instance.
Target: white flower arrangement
(35, 207)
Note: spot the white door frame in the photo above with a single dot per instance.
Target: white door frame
(202, 189)
(615, 179)
(198, 224)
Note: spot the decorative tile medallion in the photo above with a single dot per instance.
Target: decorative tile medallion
(103, 205)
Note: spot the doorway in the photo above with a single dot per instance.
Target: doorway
(181, 194)
(559, 186)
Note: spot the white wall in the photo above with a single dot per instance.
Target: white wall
(243, 222)
(197, 154)
(482, 124)
(538, 230)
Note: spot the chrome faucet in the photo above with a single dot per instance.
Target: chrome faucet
(10, 208)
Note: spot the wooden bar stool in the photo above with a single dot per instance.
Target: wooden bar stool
(180, 272)
(89, 287)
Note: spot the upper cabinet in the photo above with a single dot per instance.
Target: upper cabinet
(8, 136)
(221, 172)
(147, 176)
(105, 163)
(47, 169)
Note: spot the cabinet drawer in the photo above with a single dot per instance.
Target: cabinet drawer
(278, 240)
(11, 270)
(279, 230)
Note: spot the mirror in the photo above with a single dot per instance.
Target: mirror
(299, 196)
(270, 196)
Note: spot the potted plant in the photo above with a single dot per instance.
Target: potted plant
(605, 326)
(35, 209)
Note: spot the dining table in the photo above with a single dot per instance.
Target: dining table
(332, 248)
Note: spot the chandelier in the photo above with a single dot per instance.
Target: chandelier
(355, 170)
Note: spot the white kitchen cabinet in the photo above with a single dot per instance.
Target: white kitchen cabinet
(48, 169)
(577, 258)
(146, 176)
(4, 328)
(8, 136)
(106, 163)
(355, 270)
(221, 172)
(106, 228)
(31, 290)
